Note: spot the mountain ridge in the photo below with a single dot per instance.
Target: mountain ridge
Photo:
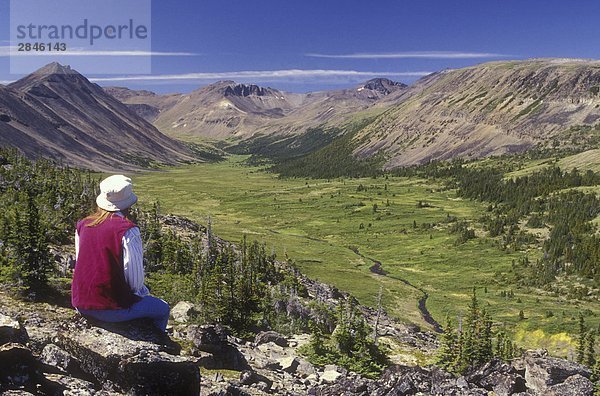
(56, 112)
(489, 109)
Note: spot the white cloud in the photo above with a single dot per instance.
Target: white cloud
(12, 51)
(289, 75)
(411, 55)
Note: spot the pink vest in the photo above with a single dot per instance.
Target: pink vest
(99, 278)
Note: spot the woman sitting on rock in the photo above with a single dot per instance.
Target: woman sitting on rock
(108, 281)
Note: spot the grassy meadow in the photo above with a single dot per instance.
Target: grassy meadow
(334, 230)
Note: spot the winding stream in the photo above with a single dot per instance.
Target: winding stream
(377, 268)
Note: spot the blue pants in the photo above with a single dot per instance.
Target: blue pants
(148, 307)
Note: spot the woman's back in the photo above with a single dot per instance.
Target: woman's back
(98, 280)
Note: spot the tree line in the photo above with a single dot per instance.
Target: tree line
(548, 197)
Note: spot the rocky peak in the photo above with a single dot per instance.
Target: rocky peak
(53, 73)
(54, 68)
(246, 90)
(383, 85)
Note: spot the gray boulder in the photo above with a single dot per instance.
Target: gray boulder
(182, 311)
(288, 364)
(330, 376)
(11, 330)
(56, 357)
(542, 372)
(305, 369)
(71, 386)
(497, 376)
(344, 385)
(250, 377)
(213, 340)
(403, 380)
(134, 365)
(575, 385)
(270, 336)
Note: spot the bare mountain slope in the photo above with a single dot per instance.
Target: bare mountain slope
(146, 104)
(56, 112)
(225, 109)
(335, 108)
(489, 109)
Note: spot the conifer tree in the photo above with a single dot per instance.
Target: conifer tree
(448, 347)
(36, 255)
(316, 341)
(484, 340)
(470, 333)
(590, 358)
(581, 340)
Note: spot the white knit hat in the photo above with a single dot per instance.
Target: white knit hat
(116, 193)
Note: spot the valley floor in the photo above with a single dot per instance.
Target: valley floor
(337, 230)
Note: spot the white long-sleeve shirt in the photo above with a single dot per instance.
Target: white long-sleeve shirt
(133, 259)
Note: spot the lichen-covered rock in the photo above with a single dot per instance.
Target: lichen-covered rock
(249, 377)
(330, 376)
(158, 373)
(229, 390)
(289, 364)
(56, 357)
(133, 364)
(304, 368)
(212, 339)
(354, 386)
(497, 376)
(71, 386)
(574, 385)
(404, 380)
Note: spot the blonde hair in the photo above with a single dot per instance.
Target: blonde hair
(98, 217)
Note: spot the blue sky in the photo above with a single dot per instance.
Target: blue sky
(312, 45)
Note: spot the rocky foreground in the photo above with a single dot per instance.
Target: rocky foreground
(47, 349)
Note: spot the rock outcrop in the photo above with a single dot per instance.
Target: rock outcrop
(540, 375)
(55, 351)
(553, 376)
(215, 347)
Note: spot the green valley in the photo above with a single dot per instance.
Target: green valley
(337, 230)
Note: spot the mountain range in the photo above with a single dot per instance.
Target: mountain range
(230, 110)
(487, 109)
